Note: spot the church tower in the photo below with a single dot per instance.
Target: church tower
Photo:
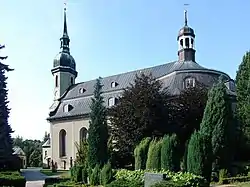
(186, 38)
(64, 66)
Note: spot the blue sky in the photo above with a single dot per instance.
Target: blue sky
(109, 37)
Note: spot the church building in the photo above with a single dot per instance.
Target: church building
(69, 113)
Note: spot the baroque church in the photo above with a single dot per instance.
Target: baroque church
(69, 113)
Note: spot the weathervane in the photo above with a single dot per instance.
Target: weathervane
(65, 4)
(185, 13)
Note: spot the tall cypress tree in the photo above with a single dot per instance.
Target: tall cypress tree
(98, 131)
(217, 124)
(243, 92)
(170, 156)
(5, 129)
(199, 156)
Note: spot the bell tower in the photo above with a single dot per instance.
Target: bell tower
(64, 66)
(186, 42)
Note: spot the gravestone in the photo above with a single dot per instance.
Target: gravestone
(152, 178)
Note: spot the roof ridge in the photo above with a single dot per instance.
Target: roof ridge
(142, 69)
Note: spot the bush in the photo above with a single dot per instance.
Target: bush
(222, 175)
(170, 158)
(235, 179)
(12, 179)
(95, 176)
(84, 175)
(76, 173)
(138, 175)
(171, 183)
(106, 174)
(140, 154)
(199, 156)
(154, 155)
(125, 183)
(128, 175)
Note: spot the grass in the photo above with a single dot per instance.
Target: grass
(48, 172)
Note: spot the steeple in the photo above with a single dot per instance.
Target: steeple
(65, 38)
(64, 66)
(186, 36)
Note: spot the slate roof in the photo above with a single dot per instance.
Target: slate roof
(47, 143)
(80, 102)
(18, 151)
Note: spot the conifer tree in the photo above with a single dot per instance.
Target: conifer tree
(217, 124)
(5, 129)
(243, 91)
(199, 156)
(170, 156)
(154, 155)
(140, 154)
(98, 131)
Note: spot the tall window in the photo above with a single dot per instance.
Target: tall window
(83, 134)
(71, 80)
(189, 82)
(187, 42)
(62, 143)
(56, 83)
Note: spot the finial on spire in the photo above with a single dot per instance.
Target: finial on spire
(185, 15)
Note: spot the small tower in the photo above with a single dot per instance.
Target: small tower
(186, 38)
(64, 66)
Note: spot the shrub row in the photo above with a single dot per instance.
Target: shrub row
(12, 179)
(235, 179)
(182, 177)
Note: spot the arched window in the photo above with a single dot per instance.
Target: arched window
(181, 42)
(83, 134)
(187, 42)
(62, 143)
(71, 80)
(56, 81)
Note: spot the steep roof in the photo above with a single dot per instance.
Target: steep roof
(18, 151)
(78, 96)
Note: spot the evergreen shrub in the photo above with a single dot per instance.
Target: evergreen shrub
(106, 175)
(95, 176)
(140, 154)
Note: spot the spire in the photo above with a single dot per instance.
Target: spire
(185, 17)
(65, 31)
(65, 38)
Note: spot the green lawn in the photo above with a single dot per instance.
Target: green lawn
(48, 172)
(244, 184)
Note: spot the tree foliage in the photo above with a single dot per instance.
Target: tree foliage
(5, 129)
(188, 109)
(82, 153)
(199, 156)
(141, 112)
(32, 150)
(243, 90)
(98, 130)
(170, 155)
(154, 155)
(217, 124)
(140, 154)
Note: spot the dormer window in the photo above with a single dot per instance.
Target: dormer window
(112, 101)
(114, 84)
(81, 90)
(189, 82)
(67, 108)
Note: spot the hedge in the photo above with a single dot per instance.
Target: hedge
(12, 179)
